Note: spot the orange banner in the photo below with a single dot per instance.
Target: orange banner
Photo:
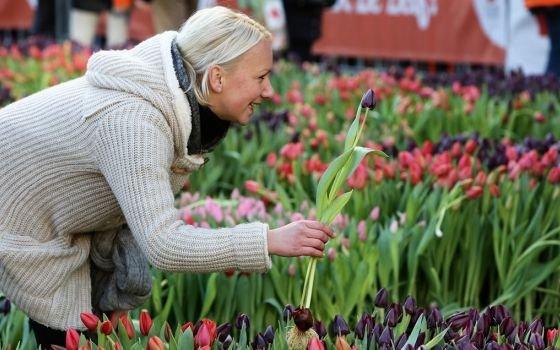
(425, 30)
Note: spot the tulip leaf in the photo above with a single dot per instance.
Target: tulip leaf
(418, 327)
(352, 132)
(354, 294)
(186, 341)
(357, 154)
(210, 294)
(123, 336)
(335, 207)
(327, 179)
(435, 340)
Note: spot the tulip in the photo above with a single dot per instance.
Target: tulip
(303, 318)
(90, 321)
(203, 336)
(167, 332)
(338, 327)
(536, 326)
(386, 336)
(145, 322)
(320, 329)
(458, 321)
(409, 305)
(269, 335)
(155, 343)
(434, 318)
(242, 320)
(507, 326)
(252, 186)
(5, 307)
(382, 298)
(259, 343)
(186, 326)
(227, 342)
(492, 345)
(368, 100)
(551, 335)
(287, 312)
(536, 341)
(128, 327)
(391, 318)
(106, 327)
(315, 344)
(223, 331)
(72, 339)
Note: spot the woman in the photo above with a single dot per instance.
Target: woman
(81, 159)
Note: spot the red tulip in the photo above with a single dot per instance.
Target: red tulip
(474, 192)
(494, 190)
(155, 343)
(145, 322)
(72, 339)
(551, 335)
(252, 186)
(106, 327)
(129, 328)
(202, 337)
(90, 321)
(315, 344)
(554, 175)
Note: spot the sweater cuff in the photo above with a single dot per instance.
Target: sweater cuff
(251, 247)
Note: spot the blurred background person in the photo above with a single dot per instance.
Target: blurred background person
(84, 18)
(171, 14)
(51, 19)
(303, 19)
(548, 15)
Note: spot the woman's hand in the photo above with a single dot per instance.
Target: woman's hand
(302, 237)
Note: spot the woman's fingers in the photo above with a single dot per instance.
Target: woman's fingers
(316, 225)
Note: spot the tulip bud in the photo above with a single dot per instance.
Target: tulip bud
(536, 341)
(259, 343)
(106, 327)
(90, 321)
(458, 321)
(483, 323)
(155, 343)
(203, 336)
(386, 336)
(368, 100)
(409, 305)
(241, 320)
(168, 332)
(536, 326)
(223, 331)
(72, 339)
(287, 313)
(315, 344)
(227, 342)
(551, 336)
(403, 338)
(145, 322)
(420, 340)
(478, 340)
(5, 306)
(507, 326)
(435, 318)
(341, 344)
(303, 318)
(391, 318)
(338, 327)
(320, 329)
(186, 326)
(269, 335)
(382, 298)
(364, 325)
(128, 327)
(492, 345)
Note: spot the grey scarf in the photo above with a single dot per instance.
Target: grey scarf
(120, 274)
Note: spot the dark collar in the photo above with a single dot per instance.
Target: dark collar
(207, 130)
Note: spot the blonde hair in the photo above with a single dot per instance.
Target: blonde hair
(215, 36)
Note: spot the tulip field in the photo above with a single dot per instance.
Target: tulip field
(443, 190)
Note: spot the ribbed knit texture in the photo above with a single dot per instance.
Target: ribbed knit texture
(78, 158)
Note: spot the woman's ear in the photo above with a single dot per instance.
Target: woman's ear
(215, 78)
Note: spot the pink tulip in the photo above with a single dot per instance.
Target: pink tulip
(90, 321)
(72, 339)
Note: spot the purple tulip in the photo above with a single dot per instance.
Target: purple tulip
(223, 331)
(241, 320)
(320, 329)
(507, 326)
(537, 341)
(259, 343)
(368, 100)
(338, 327)
(269, 334)
(386, 336)
(287, 313)
(409, 305)
(391, 318)
(382, 298)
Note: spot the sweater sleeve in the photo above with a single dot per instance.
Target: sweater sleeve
(134, 153)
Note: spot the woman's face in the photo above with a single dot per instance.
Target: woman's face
(243, 85)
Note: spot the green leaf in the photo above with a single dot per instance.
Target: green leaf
(323, 188)
(186, 341)
(210, 294)
(335, 207)
(418, 327)
(435, 340)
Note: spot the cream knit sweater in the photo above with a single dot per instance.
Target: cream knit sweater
(88, 155)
